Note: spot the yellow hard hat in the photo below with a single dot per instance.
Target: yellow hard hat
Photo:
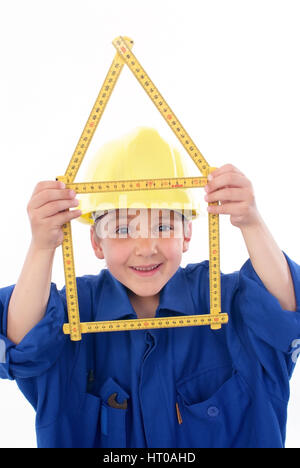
(140, 154)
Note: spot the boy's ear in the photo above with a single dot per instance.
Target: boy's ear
(187, 235)
(96, 244)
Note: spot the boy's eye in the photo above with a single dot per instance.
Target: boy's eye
(165, 225)
(120, 230)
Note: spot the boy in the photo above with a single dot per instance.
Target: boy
(174, 387)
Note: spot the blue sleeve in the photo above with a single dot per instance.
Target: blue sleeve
(40, 347)
(272, 333)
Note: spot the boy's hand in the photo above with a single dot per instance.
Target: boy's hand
(235, 192)
(48, 210)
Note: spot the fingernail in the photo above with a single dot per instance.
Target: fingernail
(62, 185)
(209, 177)
(72, 193)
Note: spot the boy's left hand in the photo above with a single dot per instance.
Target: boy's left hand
(235, 192)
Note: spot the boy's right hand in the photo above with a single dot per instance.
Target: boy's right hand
(48, 211)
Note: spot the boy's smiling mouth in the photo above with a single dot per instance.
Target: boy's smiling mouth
(146, 270)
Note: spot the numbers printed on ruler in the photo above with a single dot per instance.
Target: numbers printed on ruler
(142, 324)
(141, 184)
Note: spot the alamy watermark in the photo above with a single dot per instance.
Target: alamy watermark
(2, 351)
(295, 344)
(163, 221)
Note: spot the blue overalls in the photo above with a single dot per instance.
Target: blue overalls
(175, 387)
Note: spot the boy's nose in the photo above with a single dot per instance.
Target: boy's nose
(145, 246)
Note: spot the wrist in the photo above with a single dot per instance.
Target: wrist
(255, 224)
(36, 250)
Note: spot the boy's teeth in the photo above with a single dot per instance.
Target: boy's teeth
(145, 269)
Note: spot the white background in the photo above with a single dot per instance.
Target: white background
(229, 69)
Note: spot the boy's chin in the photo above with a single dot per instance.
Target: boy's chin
(143, 291)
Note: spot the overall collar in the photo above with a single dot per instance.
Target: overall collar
(175, 299)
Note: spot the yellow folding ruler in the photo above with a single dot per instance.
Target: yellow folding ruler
(215, 319)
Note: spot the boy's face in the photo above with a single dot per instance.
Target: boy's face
(130, 238)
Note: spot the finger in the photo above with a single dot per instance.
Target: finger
(224, 169)
(48, 184)
(233, 208)
(48, 195)
(226, 194)
(52, 208)
(64, 217)
(230, 179)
